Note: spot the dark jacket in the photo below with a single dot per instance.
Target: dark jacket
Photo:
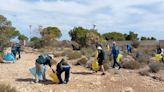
(44, 59)
(101, 55)
(60, 65)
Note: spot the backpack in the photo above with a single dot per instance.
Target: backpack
(115, 50)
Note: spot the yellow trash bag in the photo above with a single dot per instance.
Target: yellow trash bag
(158, 57)
(54, 77)
(119, 57)
(95, 65)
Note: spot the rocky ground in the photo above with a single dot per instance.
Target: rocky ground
(82, 79)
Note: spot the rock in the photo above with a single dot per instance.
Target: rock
(128, 89)
(114, 79)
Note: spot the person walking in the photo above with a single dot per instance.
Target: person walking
(18, 49)
(129, 48)
(14, 50)
(115, 52)
(101, 58)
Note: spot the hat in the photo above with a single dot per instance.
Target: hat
(114, 42)
(99, 48)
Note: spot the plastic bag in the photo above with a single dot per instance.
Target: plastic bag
(158, 57)
(33, 72)
(95, 65)
(54, 77)
(119, 57)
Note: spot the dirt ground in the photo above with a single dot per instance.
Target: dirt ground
(82, 79)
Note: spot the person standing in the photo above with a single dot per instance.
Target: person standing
(101, 58)
(18, 49)
(14, 50)
(115, 52)
(129, 48)
(158, 50)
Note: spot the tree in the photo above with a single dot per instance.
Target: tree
(153, 38)
(78, 34)
(37, 42)
(7, 31)
(92, 37)
(50, 33)
(143, 38)
(116, 36)
(22, 37)
(131, 36)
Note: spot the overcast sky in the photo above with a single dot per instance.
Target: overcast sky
(146, 17)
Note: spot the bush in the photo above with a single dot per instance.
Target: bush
(144, 73)
(143, 59)
(7, 88)
(89, 52)
(74, 55)
(106, 66)
(155, 67)
(131, 65)
(59, 54)
(135, 43)
(82, 61)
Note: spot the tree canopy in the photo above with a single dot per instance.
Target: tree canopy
(51, 33)
(116, 36)
(7, 31)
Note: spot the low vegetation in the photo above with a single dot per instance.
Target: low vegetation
(83, 61)
(74, 55)
(7, 88)
(154, 67)
(131, 65)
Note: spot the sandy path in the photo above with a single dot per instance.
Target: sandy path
(82, 79)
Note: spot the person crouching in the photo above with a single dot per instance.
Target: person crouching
(41, 61)
(61, 67)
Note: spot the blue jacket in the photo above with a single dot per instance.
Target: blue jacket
(115, 51)
(129, 46)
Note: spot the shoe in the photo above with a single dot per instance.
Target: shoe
(119, 68)
(103, 74)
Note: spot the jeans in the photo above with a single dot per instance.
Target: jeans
(65, 69)
(40, 69)
(115, 61)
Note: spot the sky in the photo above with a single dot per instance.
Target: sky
(145, 17)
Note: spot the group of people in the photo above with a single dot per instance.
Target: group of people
(115, 50)
(62, 66)
(16, 49)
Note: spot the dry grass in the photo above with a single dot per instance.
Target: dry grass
(155, 67)
(7, 88)
(74, 55)
(131, 65)
(83, 61)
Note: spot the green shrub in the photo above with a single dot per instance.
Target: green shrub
(7, 88)
(154, 67)
(89, 52)
(74, 55)
(131, 65)
(82, 61)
